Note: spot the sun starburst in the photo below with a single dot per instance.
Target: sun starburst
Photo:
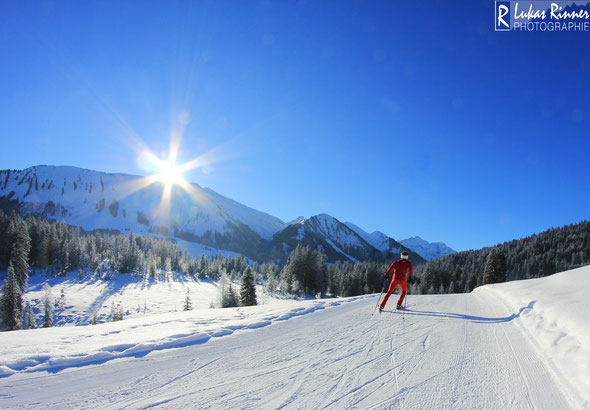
(170, 173)
(167, 172)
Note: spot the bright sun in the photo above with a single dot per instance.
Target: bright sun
(170, 173)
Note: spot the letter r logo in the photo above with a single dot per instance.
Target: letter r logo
(502, 16)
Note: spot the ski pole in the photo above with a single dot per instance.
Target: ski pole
(379, 300)
(405, 304)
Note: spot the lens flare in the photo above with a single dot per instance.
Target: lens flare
(170, 173)
(166, 174)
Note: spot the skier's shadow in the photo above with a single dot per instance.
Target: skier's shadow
(475, 319)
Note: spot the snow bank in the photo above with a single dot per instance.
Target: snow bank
(54, 349)
(557, 324)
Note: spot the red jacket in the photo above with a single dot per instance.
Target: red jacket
(400, 268)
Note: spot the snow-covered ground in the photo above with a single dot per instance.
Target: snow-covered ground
(56, 348)
(515, 345)
(91, 295)
(557, 324)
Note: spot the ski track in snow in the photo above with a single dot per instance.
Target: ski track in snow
(452, 351)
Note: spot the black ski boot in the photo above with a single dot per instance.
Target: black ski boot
(380, 308)
(400, 307)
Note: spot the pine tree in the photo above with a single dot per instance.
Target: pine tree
(188, 305)
(248, 289)
(52, 245)
(117, 312)
(226, 294)
(20, 254)
(48, 306)
(232, 297)
(495, 269)
(30, 317)
(4, 239)
(271, 284)
(12, 226)
(62, 299)
(12, 301)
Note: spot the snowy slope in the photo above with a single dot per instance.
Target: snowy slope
(91, 295)
(93, 200)
(132, 337)
(557, 323)
(329, 227)
(503, 346)
(338, 241)
(385, 244)
(428, 250)
(378, 239)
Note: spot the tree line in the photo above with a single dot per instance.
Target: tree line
(307, 273)
(554, 250)
(55, 248)
(34, 244)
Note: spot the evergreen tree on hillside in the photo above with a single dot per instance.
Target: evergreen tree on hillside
(5, 244)
(495, 269)
(48, 306)
(188, 305)
(226, 296)
(30, 321)
(12, 226)
(248, 289)
(287, 274)
(52, 245)
(12, 301)
(232, 299)
(304, 272)
(271, 284)
(117, 312)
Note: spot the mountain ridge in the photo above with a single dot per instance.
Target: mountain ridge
(428, 250)
(123, 202)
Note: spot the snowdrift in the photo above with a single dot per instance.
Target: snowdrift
(557, 323)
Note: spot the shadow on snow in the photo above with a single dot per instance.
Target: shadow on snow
(475, 319)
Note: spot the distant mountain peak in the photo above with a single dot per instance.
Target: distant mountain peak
(428, 250)
(384, 243)
(298, 220)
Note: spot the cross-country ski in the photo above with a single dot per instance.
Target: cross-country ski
(406, 308)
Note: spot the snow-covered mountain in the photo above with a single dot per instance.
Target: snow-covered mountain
(384, 243)
(378, 239)
(428, 250)
(416, 244)
(326, 232)
(97, 200)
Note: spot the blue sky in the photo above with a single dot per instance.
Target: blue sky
(412, 118)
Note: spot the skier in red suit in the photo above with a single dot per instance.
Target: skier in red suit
(399, 268)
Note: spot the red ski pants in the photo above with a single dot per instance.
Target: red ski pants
(392, 287)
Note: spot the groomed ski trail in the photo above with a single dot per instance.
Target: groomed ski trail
(451, 351)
